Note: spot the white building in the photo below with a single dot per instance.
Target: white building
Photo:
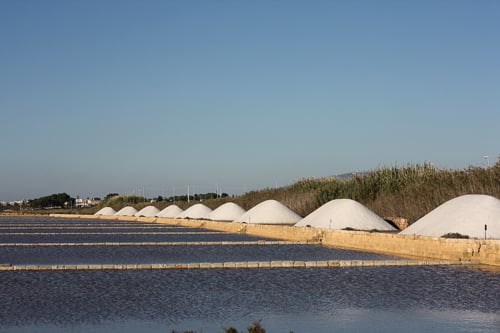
(87, 202)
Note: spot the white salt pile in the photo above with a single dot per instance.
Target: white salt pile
(148, 211)
(466, 215)
(170, 212)
(226, 212)
(106, 211)
(269, 212)
(198, 211)
(126, 211)
(344, 213)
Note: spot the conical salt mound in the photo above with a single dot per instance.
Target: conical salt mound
(344, 213)
(106, 211)
(466, 215)
(270, 212)
(198, 211)
(226, 212)
(126, 211)
(148, 211)
(170, 212)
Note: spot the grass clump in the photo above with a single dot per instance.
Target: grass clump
(255, 327)
(120, 201)
(455, 235)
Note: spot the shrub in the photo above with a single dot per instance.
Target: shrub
(455, 235)
(256, 327)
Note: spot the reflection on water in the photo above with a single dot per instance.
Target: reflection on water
(309, 298)
(356, 299)
(219, 237)
(60, 255)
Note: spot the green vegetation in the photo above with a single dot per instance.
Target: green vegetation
(455, 235)
(413, 193)
(409, 192)
(368, 187)
(120, 201)
(59, 200)
(255, 327)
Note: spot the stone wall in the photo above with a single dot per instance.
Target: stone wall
(482, 251)
(234, 265)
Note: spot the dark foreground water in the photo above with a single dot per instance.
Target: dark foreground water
(356, 299)
(388, 299)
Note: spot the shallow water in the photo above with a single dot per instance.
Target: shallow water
(84, 238)
(355, 299)
(320, 300)
(66, 255)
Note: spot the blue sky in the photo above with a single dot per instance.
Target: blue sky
(124, 96)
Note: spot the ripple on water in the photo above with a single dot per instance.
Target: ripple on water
(173, 296)
(406, 299)
(52, 255)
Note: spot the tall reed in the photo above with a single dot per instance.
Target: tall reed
(409, 191)
(414, 190)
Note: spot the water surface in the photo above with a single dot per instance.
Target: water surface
(302, 299)
(350, 299)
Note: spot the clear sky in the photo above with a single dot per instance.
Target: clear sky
(124, 96)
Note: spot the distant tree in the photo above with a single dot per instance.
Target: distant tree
(133, 199)
(160, 198)
(196, 197)
(53, 200)
(110, 195)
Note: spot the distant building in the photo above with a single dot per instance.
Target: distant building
(17, 202)
(86, 202)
